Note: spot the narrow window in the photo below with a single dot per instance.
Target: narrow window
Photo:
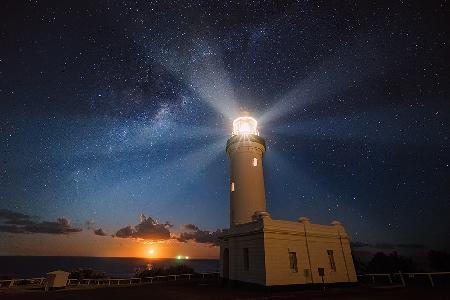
(246, 260)
(255, 161)
(232, 186)
(331, 259)
(293, 262)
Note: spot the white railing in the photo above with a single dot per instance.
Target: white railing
(121, 281)
(109, 281)
(205, 274)
(30, 281)
(402, 275)
(102, 281)
(412, 275)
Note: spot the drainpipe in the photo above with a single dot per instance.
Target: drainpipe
(305, 220)
(337, 223)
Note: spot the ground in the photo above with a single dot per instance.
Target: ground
(212, 289)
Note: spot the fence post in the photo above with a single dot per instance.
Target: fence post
(390, 279)
(431, 279)
(402, 279)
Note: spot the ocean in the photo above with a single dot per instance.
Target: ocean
(37, 266)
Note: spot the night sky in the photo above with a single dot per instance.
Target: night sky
(110, 110)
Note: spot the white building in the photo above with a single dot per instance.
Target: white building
(258, 249)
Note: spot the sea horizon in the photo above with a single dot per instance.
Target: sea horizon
(143, 257)
(27, 266)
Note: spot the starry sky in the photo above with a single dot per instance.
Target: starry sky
(114, 109)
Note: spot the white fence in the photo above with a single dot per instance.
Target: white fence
(403, 277)
(41, 281)
(26, 281)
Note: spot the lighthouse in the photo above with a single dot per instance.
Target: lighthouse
(245, 149)
(261, 250)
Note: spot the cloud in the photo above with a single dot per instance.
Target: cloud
(11, 229)
(90, 224)
(148, 229)
(201, 236)
(15, 218)
(191, 227)
(14, 222)
(125, 232)
(99, 232)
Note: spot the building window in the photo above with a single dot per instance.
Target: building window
(246, 260)
(331, 259)
(232, 186)
(293, 262)
(255, 161)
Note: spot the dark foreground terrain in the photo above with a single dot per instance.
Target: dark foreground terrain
(213, 289)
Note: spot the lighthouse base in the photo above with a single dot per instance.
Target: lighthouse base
(275, 252)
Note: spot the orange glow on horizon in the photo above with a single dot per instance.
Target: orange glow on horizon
(87, 244)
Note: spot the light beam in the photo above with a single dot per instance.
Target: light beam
(203, 71)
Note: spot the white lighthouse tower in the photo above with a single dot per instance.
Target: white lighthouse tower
(245, 149)
(258, 249)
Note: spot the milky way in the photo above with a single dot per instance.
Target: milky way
(109, 110)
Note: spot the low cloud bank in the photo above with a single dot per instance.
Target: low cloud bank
(15, 222)
(195, 234)
(148, 229)
(100, 232)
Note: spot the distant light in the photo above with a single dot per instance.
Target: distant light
(245, 125)
(187, 257)
(179, 257)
